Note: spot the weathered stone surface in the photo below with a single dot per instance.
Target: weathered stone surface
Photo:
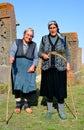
(4, 73)
(7, 36)
(76, 55)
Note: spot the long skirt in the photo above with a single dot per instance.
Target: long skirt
(53, 83)
(21, 79)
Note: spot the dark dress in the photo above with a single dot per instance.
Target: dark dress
(53, 83)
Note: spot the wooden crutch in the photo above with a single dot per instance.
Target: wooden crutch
(8, 95)
(71, 95)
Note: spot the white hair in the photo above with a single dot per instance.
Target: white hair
(29, 29)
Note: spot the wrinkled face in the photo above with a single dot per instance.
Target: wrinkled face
(28, 36)
(53, 29)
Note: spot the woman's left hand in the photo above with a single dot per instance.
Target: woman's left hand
(31, 69)
(68, 67)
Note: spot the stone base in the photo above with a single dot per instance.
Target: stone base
(4, 73)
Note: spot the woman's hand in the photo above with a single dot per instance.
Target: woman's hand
(68, 67)
(31, 69)
(45, 56)
(11, 60)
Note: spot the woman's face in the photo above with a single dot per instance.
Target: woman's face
(28, 36)
(53, 29)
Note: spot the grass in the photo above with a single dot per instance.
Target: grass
(36, 120)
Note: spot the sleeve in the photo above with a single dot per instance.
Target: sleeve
(13, 50)
(68, 57)
(35, 60)
(41, 49)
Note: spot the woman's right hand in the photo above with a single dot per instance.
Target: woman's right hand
(45, 56)
(11, 60)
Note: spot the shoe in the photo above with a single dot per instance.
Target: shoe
(63, 116)
(48, 115)
(17, 110)
(28, 110)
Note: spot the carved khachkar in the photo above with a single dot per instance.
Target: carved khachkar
(76, 53)
(7, 36)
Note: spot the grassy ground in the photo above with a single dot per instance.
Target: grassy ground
(36, 120)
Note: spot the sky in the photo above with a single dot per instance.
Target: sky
(37, 13)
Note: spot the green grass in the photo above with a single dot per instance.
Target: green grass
(36, 120)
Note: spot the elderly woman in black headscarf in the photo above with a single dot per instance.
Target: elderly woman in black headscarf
(55, 56)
